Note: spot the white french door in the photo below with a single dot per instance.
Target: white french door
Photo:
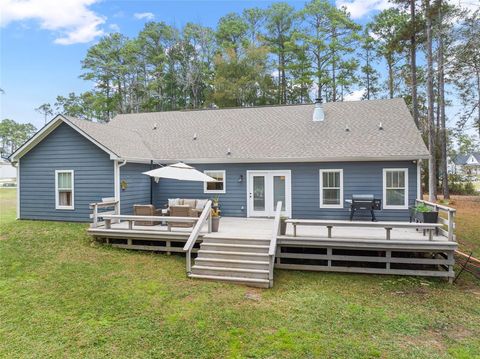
(265, 189)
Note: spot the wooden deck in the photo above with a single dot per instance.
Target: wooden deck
(350, 249)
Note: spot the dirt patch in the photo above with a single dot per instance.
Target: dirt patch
(253, 295)
(431, 338)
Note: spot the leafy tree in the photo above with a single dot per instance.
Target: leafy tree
(387, 27)
(280, 25)
(369, 77)
(105, 66)
(330, 35)
(46, 110)
(467, 144)
(232, 33)
(255, 19)
(13, 135)
(466, 69)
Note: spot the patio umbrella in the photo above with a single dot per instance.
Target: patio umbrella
(180, 171)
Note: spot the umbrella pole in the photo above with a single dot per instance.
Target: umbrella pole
(151, 184)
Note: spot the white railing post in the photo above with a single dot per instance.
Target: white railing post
(95, 216)
(273, 241)
(451, 221)
(206, 213)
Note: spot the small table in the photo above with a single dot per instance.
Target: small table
(165, 212)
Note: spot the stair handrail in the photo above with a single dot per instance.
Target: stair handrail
(273, 241)
(192, 239)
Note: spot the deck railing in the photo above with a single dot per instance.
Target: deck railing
(388, 226)
(108, 206)
(206, 216)
(449, 221)
(131, 219)
(273, 241)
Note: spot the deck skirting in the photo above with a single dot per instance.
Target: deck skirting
(375, 257)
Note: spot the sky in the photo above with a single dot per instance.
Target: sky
(42, 42)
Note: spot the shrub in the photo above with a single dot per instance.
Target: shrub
(458, 185)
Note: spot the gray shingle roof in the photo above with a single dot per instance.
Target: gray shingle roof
(122, 141)
(274, 133)
(462, 159)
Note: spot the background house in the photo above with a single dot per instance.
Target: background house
(468, 164)
(8, 174)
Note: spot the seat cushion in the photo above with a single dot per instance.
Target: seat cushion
(201, 204)
(190, 202)
(173, 202)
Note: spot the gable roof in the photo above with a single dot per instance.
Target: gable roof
(463, 159)
(263, 134)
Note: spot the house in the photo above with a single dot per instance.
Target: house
(313, 157)
(468, 164)
(8, 173)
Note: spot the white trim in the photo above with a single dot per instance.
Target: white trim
(205, 190)
(57, 206)
(384, 201)
(116, 181)
(419, 179)
(18, 189)
(288, 192)
(323, 170)
(49, 128)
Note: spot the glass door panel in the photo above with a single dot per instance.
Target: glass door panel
(279, 191)
(259, 193)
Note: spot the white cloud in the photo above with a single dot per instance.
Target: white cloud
(359, 8)
(72, 20)
(144, 16)
(114, 27)
(354, 96)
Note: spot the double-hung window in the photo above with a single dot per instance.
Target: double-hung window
(64, 189)
(395, 188)
(331, 188)
(215, 187)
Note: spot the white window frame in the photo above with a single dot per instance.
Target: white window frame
(322, 171)
(205, 190)
(57, 198)
(384, 204)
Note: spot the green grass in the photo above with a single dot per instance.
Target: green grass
(467, 223)
(62, 295)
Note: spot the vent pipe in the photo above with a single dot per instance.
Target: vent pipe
(318, 114)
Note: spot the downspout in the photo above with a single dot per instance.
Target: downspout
(116, 178)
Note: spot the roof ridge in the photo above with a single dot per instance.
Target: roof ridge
(254, 107)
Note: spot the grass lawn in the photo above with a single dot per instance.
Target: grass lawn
(62, 295)
(467, 222)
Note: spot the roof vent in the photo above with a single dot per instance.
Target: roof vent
(380, 126)
(228, 151)
(318, 114)
(155, 126)
(347, 129)
(195, 136)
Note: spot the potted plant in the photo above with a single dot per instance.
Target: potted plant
(215, 219)
(425, 214)
(215, 202)
(283, 225)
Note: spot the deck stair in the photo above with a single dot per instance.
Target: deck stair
(239, 260)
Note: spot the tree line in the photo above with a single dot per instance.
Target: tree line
(426, 51)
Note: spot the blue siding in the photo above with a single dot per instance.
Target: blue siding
(359, 178)
(63, 149)
(138, 186)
